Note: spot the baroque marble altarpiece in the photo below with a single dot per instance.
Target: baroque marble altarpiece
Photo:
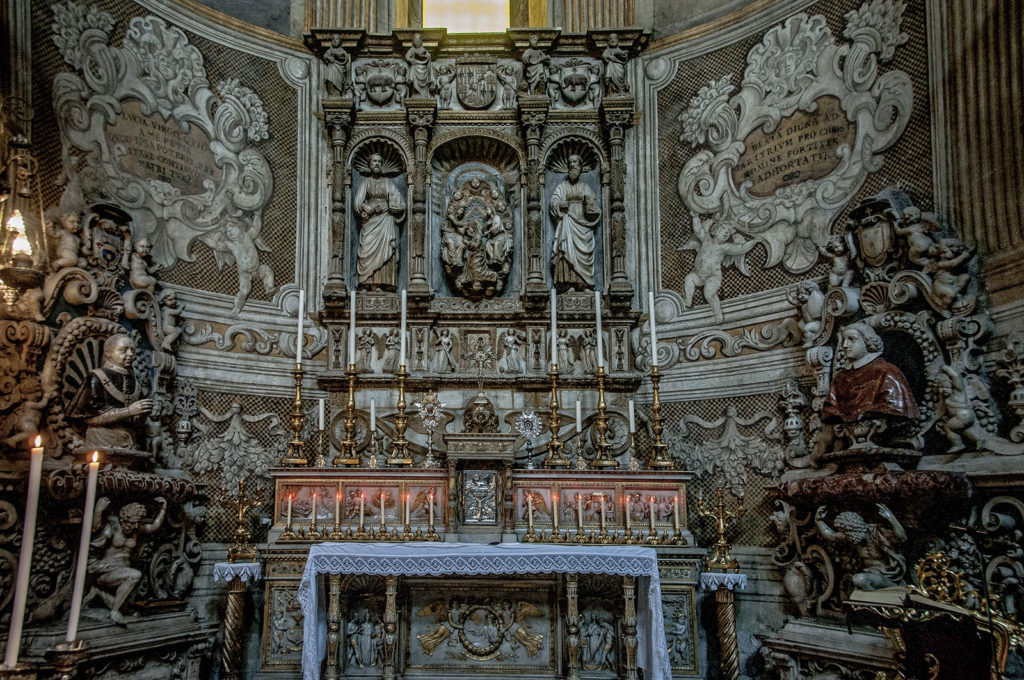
(473, 188)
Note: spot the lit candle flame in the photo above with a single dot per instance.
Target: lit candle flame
(95, 456)
(37, 442)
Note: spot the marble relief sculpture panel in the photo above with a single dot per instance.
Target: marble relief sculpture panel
(477, 241)
(781, 155)
(575, 212)
(141, 126)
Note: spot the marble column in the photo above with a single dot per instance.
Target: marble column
(338, 117)
(420, 113)
(533, 113)
(617, 114)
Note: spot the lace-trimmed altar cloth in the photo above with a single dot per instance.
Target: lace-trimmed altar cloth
(442, 559)
(246, 571)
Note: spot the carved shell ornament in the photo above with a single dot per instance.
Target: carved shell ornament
(783, 154)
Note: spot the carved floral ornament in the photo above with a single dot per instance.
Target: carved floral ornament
(783, 155)
(142, 127)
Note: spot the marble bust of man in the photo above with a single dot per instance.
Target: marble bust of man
(108, 401)
(868, 386)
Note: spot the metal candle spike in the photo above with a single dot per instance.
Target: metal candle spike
(295, 456)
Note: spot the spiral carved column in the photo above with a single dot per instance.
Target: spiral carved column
(572, 626)
(333, 624)
(724, 585)
(231, 652)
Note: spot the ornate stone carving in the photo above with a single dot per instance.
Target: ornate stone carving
(380, 206)
(535, 67)
(225, 443)
(575, 215)
(718, 245)
(379, 83)
(477, 241)
(481, 629)
(574, 83)
(476, 82)
(878, 547)
(159, 83)
(792, 85)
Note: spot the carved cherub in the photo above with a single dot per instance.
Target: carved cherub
(949, 255)
(69, 242)
(811, 301)
(241, 246)
(139, 274)
(841, 273)
(113, 576)
(956, 407)
(916, 230)
(717, 246)
(169, 313)
(445, 85)
(882, 564)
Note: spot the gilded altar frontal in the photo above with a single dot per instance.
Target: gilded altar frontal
(527, 339)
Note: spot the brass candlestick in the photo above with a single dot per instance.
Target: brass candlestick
(555, 458)
(347, 456)
(313, 533)
(295, 455)
(603, 459)
(721, 559)
(240, 550)
(659, 449)
(400, 447)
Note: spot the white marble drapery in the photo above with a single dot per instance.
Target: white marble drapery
(434, 559)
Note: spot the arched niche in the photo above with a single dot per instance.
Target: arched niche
(575, 213)
(476, 248)
(373, 203)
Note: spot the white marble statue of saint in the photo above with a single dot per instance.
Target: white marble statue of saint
(576, 212)
(381, 208)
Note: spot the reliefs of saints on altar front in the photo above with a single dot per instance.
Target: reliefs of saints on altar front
(379, 206)
(477, 241)
(575, 211)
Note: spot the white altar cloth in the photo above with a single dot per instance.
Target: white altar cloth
(438, 559)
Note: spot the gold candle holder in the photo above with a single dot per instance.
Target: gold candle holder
(295, 456)
(660, 459)
(603, 459)
(555, 457)
(314, 533)
(347, 456)
(240, 550)
(289, 531)
(720, 558)
(400, 447)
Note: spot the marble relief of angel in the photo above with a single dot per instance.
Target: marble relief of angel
(718, 246)
(240, 244)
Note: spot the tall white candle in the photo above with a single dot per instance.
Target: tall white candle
(431, 510)
(382, 507)
(529, 511)
(351, 328)
(652, 513)
(676, 512)
(600, 336)
(320, 420)
(337, 507)
(83, 549)
(299, 340)
(35, 471)
(373, 415)
(362, 509)
(632, 417)
(554, 512)
(312, 521)
(407, 508)
(288, 515)
(628, 510)
(554, 328)
(654, 330)
(579, 417)
(579, 513)
(401, 345)
(600, 499)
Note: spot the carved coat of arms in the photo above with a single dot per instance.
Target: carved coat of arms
(381, 82)
(575, 82)
(476, 83)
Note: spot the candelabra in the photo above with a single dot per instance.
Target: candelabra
(295, 455)
(240, 549)
(347, 456)
(400, 447)
(659, 449)
(603, 459)
(721, 559)
(555, 457)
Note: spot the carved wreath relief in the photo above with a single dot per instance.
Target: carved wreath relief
(779, 158)
(481, 629)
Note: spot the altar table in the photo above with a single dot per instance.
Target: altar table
(439, 559)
